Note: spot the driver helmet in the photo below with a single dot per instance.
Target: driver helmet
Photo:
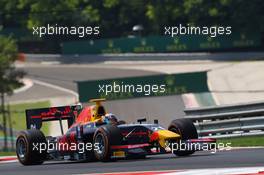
(110, 118)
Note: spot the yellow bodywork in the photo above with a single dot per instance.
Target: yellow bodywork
(98, 103)
(166, 135)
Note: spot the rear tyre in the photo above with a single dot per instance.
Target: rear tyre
(103, 139)
(186, 129)
(28, 147)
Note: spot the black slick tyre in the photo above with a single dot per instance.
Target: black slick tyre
(27, 153)
(186, 129)
(103, 139)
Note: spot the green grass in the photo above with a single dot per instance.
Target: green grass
(9, 153)
(244, 141)
(19, 117)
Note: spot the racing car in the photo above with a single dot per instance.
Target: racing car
(103, 136)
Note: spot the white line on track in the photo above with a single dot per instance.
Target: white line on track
(56, 87)
(209, 171)
(9, 161)
(27, 84)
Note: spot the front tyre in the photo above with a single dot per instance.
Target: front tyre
(186, 129)
(103, 139)
(28, 147)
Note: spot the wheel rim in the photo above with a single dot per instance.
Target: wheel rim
(21, 149)
(101, 144)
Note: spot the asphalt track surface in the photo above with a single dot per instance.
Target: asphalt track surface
(66, 76)
(223, 159)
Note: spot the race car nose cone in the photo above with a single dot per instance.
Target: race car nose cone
(166, 135)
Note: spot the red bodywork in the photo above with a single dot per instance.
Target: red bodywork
(85, 116)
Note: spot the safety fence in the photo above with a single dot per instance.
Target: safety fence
(228, 120)
(162, 44)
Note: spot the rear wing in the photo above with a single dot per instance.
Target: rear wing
(35, 117)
